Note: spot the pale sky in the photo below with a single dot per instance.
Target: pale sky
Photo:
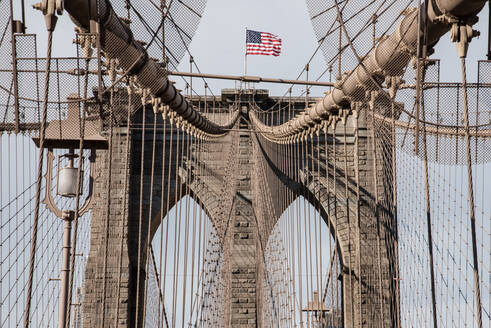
(218, 46)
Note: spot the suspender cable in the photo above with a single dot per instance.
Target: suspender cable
(421, 76)
(108, 207)
(148, 241)
(470, 190)
(130, 92)
(77, 197)
(14, 65)
(140, 214)
(42, 135)
(164, 209)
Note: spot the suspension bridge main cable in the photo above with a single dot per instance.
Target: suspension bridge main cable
(339, 51)
(150, 75)
(364, 74)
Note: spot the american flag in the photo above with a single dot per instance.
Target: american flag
(262, 43)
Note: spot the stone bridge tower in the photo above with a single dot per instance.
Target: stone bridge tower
(366, 235)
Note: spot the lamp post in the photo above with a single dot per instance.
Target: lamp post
(66, 134)
(66, 186)
(65, 269)
(318, 308)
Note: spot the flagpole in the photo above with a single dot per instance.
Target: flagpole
(245, 54)
(245, 64)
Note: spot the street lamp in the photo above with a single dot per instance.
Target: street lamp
(318, 308)
(66, 186)
(65, 134)
(66, 181)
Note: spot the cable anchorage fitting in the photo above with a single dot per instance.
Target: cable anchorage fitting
(462, 34)
(50, 9)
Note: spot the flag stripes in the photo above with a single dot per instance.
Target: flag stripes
(262, 43)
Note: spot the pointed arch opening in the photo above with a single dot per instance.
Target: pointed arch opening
(184, 269)
(301, 284)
